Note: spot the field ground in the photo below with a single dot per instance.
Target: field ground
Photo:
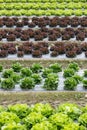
(45, 62)
(54, 98)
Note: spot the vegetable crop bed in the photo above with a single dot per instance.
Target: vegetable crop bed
(43, 29)
(43, 116)
(37, 22)
(44, 50)
(46, 8)
(37, 78)
(55, 34)
(43, 34)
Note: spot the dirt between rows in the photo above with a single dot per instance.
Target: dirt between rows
(54, 98)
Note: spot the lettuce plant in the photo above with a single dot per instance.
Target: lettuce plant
(68, 72)
(68, 12)
(8, 13)
(13, 126)
(8, 117)
(36, 68)
(70, 84)
(61, 6)
(9, 6)
(84, 109)
(21, 110)
(27, 83)
(83, 0)
(78, 78)
(60, 1)
(77, 5)
(16, 67)
(36, 6)
(44, 7)
(72, 110)
(26, 72)
(46, 71)
(47, 13)
(16, 1)
(52, 11)
(37, 78)
(60, 119)
(2, 6)
(32, 119)
(67, 0)
(52, 6)
(84, 6)
(1, 1)
(7, 84)
(75, 0)
(78, 12)
(70, 5)
(53, 75)
(73, 126)
(27, 6)
(51, 1)
(83, 120)
(45, 109)
(39, 13)
(51, 82)
(74, 66)
(16, 78)
(45, 125)
(7, 73)
(55, 67)
(85, 11)
(16, 13)
(28, 13)
(8, 1)
(59, 12)
(85, 83)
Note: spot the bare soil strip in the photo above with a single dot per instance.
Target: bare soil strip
(54, 98)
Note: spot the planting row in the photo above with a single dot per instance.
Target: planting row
(40, 116)
(38, 1)
(45, 6)
(42, 12)
(38, 78)
(43, 22)
(54, 34)
(42, 49)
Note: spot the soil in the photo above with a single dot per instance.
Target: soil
(54, 98)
